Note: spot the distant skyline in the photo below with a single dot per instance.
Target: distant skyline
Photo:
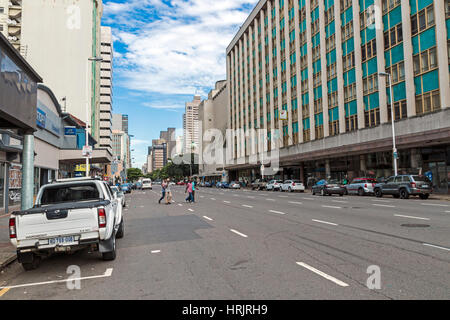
(165, 53)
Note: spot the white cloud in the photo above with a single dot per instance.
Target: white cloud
(182, 50)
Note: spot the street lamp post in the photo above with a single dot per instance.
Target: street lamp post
(92, 59)
(391, 98)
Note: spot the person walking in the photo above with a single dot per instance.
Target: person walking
(189, 190)
(163, 190)
(193, 191)
(168, 192)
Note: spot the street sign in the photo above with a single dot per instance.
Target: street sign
(87, 151)
(70, 131)
(283, 115)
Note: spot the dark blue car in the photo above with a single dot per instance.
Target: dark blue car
(126, 188)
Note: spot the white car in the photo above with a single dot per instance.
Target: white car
(274, 185)
(119, 194)
(293, 185)
(147, 184)
(234, 185)
(68, 215)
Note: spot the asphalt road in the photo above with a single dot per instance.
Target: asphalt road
(240, 244)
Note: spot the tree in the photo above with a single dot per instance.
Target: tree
(134, 174)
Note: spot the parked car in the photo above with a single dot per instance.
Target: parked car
(119, 194)
(125, 188)
(274, 185)
(208, 184)
(293, 185)
(223, 185)
(68, 215)
(361, 186)
(180, 183)
(404, 186)
(139, 185)
(147, 184)
(259, 184)
(234, 185)
(324, 187)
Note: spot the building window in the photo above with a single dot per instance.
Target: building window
(351, 123)
(422, 20)
(334, 128)
(319, 132)
(393, 36)
(400, 110)
(370, 84)
(428, 102)
(425, 61)
(372, 117)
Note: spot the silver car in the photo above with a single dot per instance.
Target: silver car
(361, 186)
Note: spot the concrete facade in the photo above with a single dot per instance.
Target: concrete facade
(191, 130)
(319, 61)
(106, 89)
(11, 23)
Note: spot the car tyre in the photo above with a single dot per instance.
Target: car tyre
(424, 196)
(404, 194)
(290, 189)
(28, 266)
(360, 192)
(121, 231)
(111, 255)
(378, 193)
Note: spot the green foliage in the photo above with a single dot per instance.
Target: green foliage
(134, 174)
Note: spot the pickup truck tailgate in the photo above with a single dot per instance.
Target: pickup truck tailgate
(54, 223)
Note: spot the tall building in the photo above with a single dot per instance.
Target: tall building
(125, 123)
(169, 136)
(158, 155)
(191, 126)
(121, 162)
(116, 121)
(213, 115)
(11, 23)
(106, 74)
(60, 36)
(319, 61)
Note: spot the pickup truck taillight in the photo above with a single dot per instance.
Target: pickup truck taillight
(12, 228)
(293, 184)
(101, 218)
(413, 184)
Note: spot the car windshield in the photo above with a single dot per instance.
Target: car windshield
(71, 193)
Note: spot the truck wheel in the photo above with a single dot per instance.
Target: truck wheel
(108, 256)
(360, 192)
(28, 266)
(404, 194)
(120, 232)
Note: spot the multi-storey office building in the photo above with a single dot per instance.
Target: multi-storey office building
(320, 61)
(191, 126)
(106, 89)
(11, 23)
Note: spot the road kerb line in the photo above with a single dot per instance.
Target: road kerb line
(323, 274)
(326, 222)
(274, 211)
(411, 217)
(434, 204)
(431, 245)
(239, 233)
(208, 218)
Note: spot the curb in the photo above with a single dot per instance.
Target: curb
(8, 261)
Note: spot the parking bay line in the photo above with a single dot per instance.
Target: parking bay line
(431, 245)
(239, 233)
(208, 218)
(247, 206)
(411, 217)
(332, 207)
(434, 204)
(107, 273)
(323, 274)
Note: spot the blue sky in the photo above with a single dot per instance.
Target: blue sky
(165, 52)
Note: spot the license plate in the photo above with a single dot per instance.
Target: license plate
(425, 186)
(62, 240)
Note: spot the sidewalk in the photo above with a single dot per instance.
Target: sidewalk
(7, 251)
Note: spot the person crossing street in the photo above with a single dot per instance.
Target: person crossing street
(163, 190)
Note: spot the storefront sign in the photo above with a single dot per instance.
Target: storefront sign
(80, 168)
(70, 131)
(41, 118)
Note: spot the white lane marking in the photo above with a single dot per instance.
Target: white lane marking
(251, 197)
(235, 195)
(381, 200)
(202, 196)
(323, 274)
(191, 210)
(107, 273)
(293, 202)
(430, 245)
(332, 207)
(338, 201)
(326, 222)
(411, 217)
(247, 206)
(447, 211)
(270, 199)
(239, 233)
(383, 205)
(226, 201)
(180, 205)
(279, 212)
(208, 218)
(434, 204)
(156, 251)
(309, 198)
(213, 199)
(222, 193)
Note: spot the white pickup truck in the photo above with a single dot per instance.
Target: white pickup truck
(68, 215)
